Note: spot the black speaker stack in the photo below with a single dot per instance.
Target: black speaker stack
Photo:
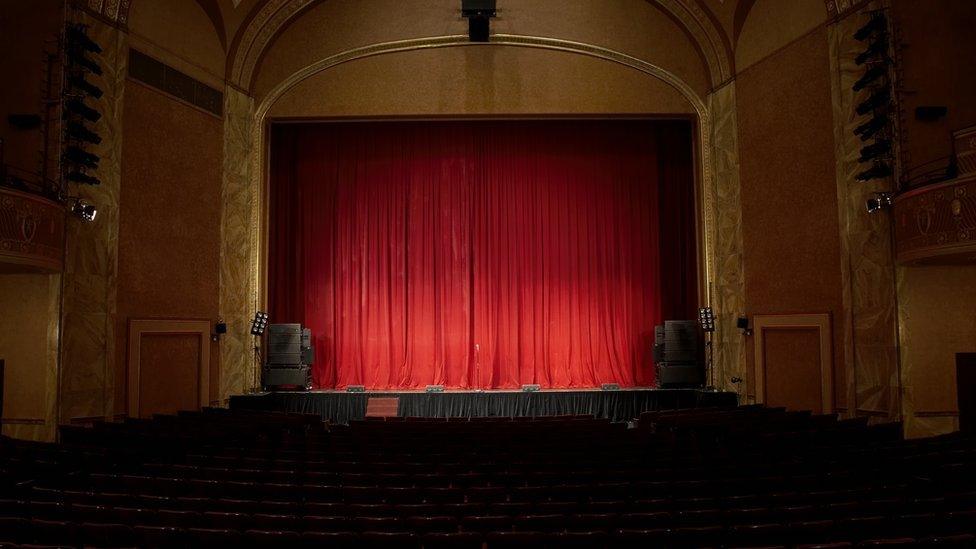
(289, 358)
(676, 352)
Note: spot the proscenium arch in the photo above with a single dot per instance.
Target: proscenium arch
(265, 23)
(259, 173)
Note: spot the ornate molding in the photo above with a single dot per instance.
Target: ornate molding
(31, 233)
(708, 37)
(257, 36)
(274, 15)
(937, 224)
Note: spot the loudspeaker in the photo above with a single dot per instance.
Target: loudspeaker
(1, 391)
(670, 375)
(680, 341)
(299, 378)
(285, 344)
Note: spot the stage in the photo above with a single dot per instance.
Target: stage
(619, 405)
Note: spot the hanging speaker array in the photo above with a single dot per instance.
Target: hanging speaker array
(873, 90)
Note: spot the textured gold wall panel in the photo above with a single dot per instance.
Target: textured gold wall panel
(725, 226)
(237, 252)
(867, 264)
(88, 312)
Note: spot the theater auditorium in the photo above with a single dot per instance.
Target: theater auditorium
(488, 274)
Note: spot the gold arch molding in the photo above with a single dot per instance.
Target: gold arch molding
(275, 15)
(258, 173)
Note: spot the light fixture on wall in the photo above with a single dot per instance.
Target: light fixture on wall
(880, 201)
(83, 210)
(742, 323)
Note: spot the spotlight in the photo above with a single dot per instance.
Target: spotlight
(706, 319)
(880, 201)
(77, 106)
(84, 210)
(77, 156)
(877, 99)
(870, 76)
(878, 171)
(878, 23)
(79, 177)
(874, 150)
(871, 127)
(259, 324)
(876, 49)
(79, 81)
(478, 14)
(77, 130)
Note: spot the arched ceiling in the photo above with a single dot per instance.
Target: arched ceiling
(247, 28)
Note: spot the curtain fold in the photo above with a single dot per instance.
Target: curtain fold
(482, 254)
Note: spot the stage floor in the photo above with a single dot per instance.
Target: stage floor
(619, 405)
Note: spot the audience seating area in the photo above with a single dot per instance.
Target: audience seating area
(740, 477)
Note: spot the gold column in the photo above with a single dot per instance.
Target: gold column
(87, 380)
(727, 285)
(867, 266)
(237, 251)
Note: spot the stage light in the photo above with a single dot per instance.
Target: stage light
(531, 388)
(878, 171)
(706, 319)
(876, 49)
(877, 23)
(880, 201)
(479, 14)
(434, 389)
(874, 150)
(83, 210)
(871, 127)
(79, 81)
(77, 106)
(876, 100)
(870, 76)
(259, 324)
(77, 130)
(80, 177)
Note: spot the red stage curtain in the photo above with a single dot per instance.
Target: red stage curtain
(482, 253)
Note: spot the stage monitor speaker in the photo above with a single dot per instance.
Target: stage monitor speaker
(679, 375)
